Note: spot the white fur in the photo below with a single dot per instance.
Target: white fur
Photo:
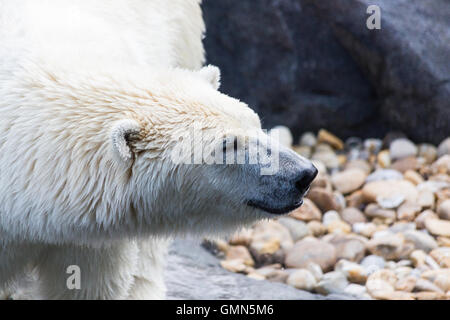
(91, 95)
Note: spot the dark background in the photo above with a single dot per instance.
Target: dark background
(313, 64)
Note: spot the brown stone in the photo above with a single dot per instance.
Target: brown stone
(329, 138)
(311, 250)
(324, 199)
(349, 180)
(388, 188)
(307, 212)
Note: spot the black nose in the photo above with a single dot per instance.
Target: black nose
(305, 178)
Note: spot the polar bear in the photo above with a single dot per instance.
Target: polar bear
(95, 97)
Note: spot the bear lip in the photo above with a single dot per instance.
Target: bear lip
(282, 210)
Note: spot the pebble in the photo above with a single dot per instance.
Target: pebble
(328, 158)
(425, 285)
(426, 200)
(373, 261)
(428, 152)
(316, 270)
(389, 188)
(381, 283)
(329, 138)
(353, 215)
(354, 272)
(339, 227)
(233, 265)
(374, 211)
(365, 229)
(406, 164)
(297, 228)
(441, 256)
(302, 279)
(316, 228)
(384, 159)
(268, 236)
(348, 247)
(441, 165)
(329, 217)
(356, 199)
(308, 139)
(408, 211)
(311, 250)
(307, 212)
(359, 164)
(406, 284)
(421, 218)
(438, 227)
(444, 148)
(384, 174)
(332, 282)
(444, 210)
(421, 240)
(390, 202)
(402, 148)
(283, 134)
(349, 180)
(357, 290)
(418, 257)
(240, 253)
(413, 177)
(391, 247)
(324, 199)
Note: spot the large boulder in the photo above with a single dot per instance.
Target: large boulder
(310, 64)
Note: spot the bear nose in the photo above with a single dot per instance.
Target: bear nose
(304, 179)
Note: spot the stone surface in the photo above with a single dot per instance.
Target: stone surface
(349, 180)
(421, 240)
(384, 174)
(438, 227)
(302, 279)
(348, 247)
(329, 138)
(408, 211)
(354, 272)
(444, 210)
(332, 282)
(444, 147)
(194, 274)
(389, 188)
(353, 71)
(324, 199)
(240, 253)
(441, 256)
(311, 250)
(353, 215)
(283, 135)
(391, 247)
(298, 229)
(307, 212)
(402, 148)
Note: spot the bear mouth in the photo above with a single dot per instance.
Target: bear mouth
(274, 210)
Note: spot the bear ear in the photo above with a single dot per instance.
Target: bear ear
(211, 74)
(120, 138)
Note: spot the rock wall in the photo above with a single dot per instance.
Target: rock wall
(314, 64)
